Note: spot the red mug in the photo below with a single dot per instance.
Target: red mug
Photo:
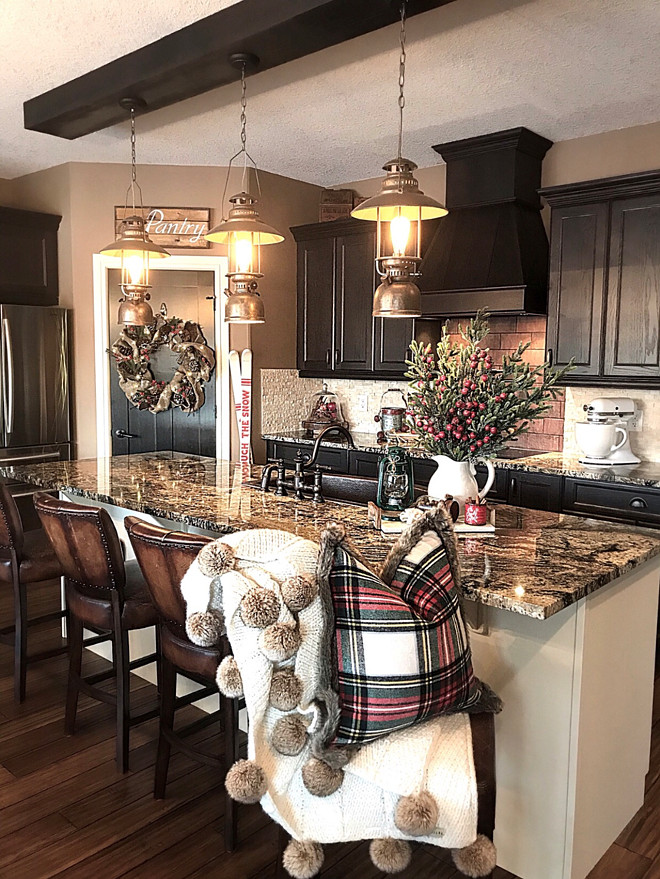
(475, 514)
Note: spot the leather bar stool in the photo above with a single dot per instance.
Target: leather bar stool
(26, 557)
(165, 556)
(103, 595)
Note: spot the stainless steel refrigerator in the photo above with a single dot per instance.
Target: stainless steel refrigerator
(34, 384)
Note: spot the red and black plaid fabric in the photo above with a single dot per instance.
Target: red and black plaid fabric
(403, 653)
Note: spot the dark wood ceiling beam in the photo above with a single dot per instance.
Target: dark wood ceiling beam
(195, 59)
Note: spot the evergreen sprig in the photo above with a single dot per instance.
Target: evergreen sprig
(461, 406)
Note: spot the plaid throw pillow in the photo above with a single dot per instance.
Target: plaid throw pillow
(403, 653)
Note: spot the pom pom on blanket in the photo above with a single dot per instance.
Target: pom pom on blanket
(302, 859)
(320, 778)
(280, 641)
(215, 559)
(298, 593)
(246, 782)
(416, 815)
(286, 690)
(205, 629)
(476, 860)
(390, 855)
(259, 607)
(228, 678)
(289, 735)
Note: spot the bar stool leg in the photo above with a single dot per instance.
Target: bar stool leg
(20, 636)
(166, 724)
(231, 756)
(120, 644)
(75, 644)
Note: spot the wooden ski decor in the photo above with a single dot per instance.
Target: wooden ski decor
(240, 368)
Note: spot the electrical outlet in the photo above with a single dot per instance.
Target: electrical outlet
(363, 403)
(637, 421)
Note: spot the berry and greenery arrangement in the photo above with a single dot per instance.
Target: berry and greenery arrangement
(462, 406)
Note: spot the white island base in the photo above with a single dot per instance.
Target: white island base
(573, 740)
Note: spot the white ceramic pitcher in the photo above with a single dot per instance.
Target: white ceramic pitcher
(458, 478)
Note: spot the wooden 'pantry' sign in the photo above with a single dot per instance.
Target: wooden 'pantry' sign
(172, 227)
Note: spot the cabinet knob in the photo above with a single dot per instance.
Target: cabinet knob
(551, 356)
(638, 503)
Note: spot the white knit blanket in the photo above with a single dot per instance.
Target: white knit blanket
(435, 755)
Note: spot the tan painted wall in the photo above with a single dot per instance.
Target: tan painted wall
(85, 195)
(6, 192)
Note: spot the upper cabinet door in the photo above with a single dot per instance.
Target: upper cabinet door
(632, 345)
(316, 315)
(392, 339)
(28, 257)
(577, 286)
(354, 291)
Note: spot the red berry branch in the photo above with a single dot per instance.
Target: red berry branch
(462, 406)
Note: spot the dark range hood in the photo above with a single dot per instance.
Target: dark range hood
(491, 250)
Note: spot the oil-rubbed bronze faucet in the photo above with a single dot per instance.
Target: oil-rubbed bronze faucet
(337, 428)
(303, 465)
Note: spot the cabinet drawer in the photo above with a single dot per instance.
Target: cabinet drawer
(334, 459)
(621, 501)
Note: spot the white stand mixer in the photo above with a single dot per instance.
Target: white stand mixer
(603, 437)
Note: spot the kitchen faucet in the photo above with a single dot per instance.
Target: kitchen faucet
(303, 465)
(338, 428)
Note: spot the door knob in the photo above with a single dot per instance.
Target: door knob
(121, 433)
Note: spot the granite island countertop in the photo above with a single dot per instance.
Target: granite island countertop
(646, 474)
(536, 564)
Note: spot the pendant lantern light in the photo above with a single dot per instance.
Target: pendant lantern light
(134, 247)
(398, 210)
(243, 231)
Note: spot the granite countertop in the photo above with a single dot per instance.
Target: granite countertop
(537, 563)
(645, 474)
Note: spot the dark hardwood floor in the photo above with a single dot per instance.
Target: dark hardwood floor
(65, 811)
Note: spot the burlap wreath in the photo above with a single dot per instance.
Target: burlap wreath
(132, 351)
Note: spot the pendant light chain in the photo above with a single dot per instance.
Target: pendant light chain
(402, 76)
(133, 160)
(244, 123)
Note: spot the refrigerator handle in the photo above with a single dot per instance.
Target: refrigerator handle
(9, 378)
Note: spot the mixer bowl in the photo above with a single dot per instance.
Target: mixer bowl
(599, 440)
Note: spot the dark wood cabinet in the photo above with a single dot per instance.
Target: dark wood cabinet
(354, 288)
(337, 334)
(576, 296)
(633, 503)
(604, 293)
(316, 280)
(28, 257)
(632, 341)
(538, 491)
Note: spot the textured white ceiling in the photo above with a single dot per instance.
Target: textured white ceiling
(564, 68)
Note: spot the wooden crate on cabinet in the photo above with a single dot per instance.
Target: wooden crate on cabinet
(28, 257)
